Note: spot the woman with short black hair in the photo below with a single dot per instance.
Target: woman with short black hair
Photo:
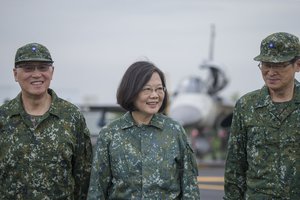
(143, 154)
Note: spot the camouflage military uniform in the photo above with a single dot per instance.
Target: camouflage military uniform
(263, 155)
(143, 161)
(51, 160)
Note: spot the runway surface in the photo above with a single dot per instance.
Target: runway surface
(211, 182)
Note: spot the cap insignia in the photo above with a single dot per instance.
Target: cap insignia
(271, 45)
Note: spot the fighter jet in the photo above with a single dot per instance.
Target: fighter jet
(196, 104)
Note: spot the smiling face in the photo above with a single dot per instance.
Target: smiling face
(149, 99)
(33, 78)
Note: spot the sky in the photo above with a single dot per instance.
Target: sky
(93, 42)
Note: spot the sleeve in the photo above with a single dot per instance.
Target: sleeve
(236, 160)
(82, 161)
(189, 172)
(101, 173)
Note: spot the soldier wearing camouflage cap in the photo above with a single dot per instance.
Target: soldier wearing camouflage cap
(45, 147)
(263, 152)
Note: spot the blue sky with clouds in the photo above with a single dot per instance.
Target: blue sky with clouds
(93, 42)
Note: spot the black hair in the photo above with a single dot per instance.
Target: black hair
(133, 81)
(295, 59)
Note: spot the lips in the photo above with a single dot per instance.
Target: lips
(152, 103)
(37, 82)
(273, 81)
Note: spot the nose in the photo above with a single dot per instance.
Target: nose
(272, 71)
(154, 94)
(36, 72)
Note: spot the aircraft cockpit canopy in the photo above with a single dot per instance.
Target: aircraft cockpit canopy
(191, 85)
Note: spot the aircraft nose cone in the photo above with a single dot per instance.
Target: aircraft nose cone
(185, 115)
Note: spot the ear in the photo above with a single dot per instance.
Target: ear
(297, 63)
(52, 71)
(15, 74)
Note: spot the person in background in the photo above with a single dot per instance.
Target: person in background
(143, 154)
(263, 160)
(45, 147)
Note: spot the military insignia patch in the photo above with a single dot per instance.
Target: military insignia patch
(271, 45)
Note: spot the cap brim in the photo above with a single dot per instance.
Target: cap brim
(34, 59)
(273, 59)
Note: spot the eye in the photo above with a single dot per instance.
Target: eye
(147, 89)
(28, 67)
(160, 89)
(43, 68)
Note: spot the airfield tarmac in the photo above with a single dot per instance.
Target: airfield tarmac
(211, 182)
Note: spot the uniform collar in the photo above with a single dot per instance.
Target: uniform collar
(17, 108)
(156, 121)
(264, 97)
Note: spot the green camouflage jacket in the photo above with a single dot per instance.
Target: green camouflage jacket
(143, 161)
(263, 160)
(49, 161)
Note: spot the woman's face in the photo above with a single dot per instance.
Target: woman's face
(150, 98)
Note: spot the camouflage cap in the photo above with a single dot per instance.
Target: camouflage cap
(33, 52)
(279, 47)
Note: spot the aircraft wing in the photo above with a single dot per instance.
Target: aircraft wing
(98, 116)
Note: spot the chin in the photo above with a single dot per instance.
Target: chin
(151, 112)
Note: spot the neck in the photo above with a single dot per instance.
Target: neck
(140, 118)
(37, 106)
(282, 95)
